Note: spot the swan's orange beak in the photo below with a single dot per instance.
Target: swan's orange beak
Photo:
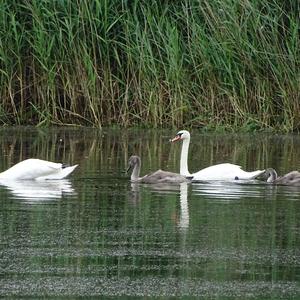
(176, 138)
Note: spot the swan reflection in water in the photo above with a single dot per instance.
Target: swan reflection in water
(229, 191)
(184, 220)
(38, 190)
(163, 188)
(241, 189)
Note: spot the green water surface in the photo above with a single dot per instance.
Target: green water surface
(96, 235)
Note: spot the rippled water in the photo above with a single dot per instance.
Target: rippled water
(96, 234)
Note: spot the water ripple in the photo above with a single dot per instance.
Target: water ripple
(238, 190)
(146, 287)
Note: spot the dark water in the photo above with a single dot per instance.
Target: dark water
(96, 234)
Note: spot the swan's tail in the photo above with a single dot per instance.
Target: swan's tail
(253, 175)
(64, 172)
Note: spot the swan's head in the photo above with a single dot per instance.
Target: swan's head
(133, 161)
(181, 135)
(271, 174)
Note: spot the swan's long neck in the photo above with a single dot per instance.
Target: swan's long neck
(273, 175)
(136, 172)
(184, 158)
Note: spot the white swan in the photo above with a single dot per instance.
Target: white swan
(159, 176)
(291, 178)
(37, 169)
(225, 171)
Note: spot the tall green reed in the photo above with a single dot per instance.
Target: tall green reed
(181, 63)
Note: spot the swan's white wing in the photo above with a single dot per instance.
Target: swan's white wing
(225, 171)
(35, 169)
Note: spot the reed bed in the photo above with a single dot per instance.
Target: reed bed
(211, 64)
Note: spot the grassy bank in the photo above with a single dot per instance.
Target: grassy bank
(186, 63)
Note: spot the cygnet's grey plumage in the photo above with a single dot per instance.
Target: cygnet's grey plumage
(291, 178)
(158, 176)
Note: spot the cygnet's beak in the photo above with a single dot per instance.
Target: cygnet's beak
(129, 167)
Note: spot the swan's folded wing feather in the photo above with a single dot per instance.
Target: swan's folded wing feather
(225, 171)
(161, 176)
(291, 178)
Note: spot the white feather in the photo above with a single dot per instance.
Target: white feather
(37, 169)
